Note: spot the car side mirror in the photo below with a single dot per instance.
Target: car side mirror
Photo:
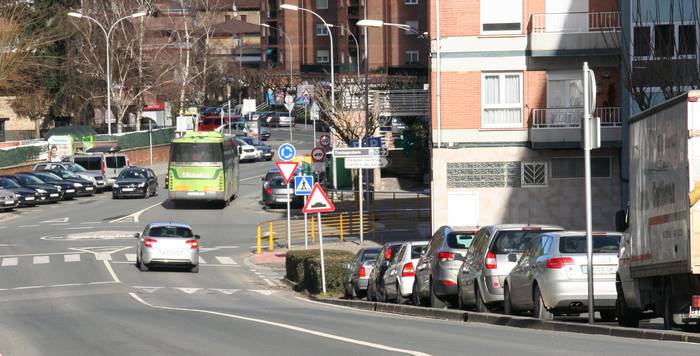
(512, 257)
(137, 235)
(197, 237)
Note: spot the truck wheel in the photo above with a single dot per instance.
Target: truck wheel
(626, 316)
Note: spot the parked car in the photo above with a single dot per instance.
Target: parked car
(135, 181)
(375, 287)
(8, 200)
(167, 243)
(86, 187)
(274, 190)
(358, 271)
(286, 120)
(272, 119)
(68, 189)
(96, 177)
(25, 196)
(247, 152)
(266, 151)
(264, 134)
(399, 279)
(436, 273)
(551, 275)
(486, 265)
(109, 164)
(45, 193)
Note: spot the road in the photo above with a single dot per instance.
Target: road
(69, 286)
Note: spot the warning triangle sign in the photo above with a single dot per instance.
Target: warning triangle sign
(318, 202)
(287, 170)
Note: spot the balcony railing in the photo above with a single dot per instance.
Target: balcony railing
(407, 102)
(576, 22)
(571, 117)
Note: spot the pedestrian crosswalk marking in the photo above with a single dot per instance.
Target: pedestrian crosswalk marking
(264, 291)
(38, 260)
(202, 261)
(71, 258)
(9, 261)
(103, 256)
(225, 260)
(131, 257)
(225, 291)
(189, 290)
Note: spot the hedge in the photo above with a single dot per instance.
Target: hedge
(304, 268)
(139, 139)
(22, 154)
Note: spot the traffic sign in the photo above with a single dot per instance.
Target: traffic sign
(303, 184)
(324, 140)
(366, 162)
(287, 170)
(289, 99)
(318, 154)
(373, 142)
(286, 152)
(289, 106)
(315, 112)
(318, 202)
(306, 99)
(359, 151)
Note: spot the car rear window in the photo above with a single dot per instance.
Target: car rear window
(460, 239)
(170, 231)
(278, 182)
(370, 255)
(89, 163)
(115, 161)
(601, 244)
(513, 241)
(417, 251)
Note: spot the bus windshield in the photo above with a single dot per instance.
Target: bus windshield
(196, 152)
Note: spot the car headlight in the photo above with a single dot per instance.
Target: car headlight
(77, 185)
(41, 191)
(58, 187)
(115, 185)
(141, 185)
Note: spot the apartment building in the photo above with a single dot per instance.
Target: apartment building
(507, 144)
(390, 50)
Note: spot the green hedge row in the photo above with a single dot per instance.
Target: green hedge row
(22, 154)
(139, 139)
(304, 268)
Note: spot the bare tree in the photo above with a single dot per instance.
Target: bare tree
(33, 104)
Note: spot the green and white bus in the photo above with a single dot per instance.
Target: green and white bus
(204, 167)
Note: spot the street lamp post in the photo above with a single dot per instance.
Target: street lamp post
(289, 55)
(107, 34)
(357, 45)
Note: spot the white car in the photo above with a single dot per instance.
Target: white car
(248, 152)
(399, 278)
(167, 243)
(286, 120)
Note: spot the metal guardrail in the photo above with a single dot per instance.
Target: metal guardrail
(576, 22)
(571, 117)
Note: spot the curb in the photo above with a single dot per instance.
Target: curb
(514, 321)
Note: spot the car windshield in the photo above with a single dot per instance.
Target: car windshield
(65, 174)
(191, 152)
(170, 231)
(601, 244)
(76, 168)
(511, 241)
(27, 179)
(459, 240)
(48, 176)
(132, 174)
(8, 183)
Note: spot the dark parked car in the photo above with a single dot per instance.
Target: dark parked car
(135, 181)
(265, 150)
(27, 197)
(274, 190)
(68, 189)
(84, 187)
(46, 193)
(375, 287)
(97, 178)
(358, 271)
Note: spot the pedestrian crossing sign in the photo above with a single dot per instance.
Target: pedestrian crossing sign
(303, 185)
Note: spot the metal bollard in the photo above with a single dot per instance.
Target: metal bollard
(258, 248)
(313, 230)
(341, 228)
(272, 240)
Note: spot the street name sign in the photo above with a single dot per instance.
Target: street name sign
(359, 151)
(366, 162)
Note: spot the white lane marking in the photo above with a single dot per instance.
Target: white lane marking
(252, 270)
(226, 260)
(7, 245)
(285, 326)
(40, 254)
(90, 223)
(130, 257)
(189, 290)
(28, 287)
(71, 258)
(202, 261)
(265, 292)
(147, 289)
(225, 291)
(59, 224)
(3, 227)
(104, 282)
(34, 225)
(40, 260)
(268, 282)
(135, 216)
(66, 285)
(249, 178)
(111, 271)
(79, 228)
(59, 220)
(9, 261)
(101, 256)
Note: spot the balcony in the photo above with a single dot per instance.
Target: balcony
(405, 102)
(574, 34)
(561, 127)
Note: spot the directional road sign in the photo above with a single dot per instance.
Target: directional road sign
(318, 202)
(303, 185)
(287, 170)
(286, 152)
(318, 154)
(366, 162)
(324, 140)
(360, 151)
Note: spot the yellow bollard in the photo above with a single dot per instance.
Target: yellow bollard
(258, 248)
(341, 228)
(313, 230)
(272, 240)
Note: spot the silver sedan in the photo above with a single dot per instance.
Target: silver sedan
(167, 244)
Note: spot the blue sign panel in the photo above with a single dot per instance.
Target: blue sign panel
(373, 142)
(303, 185)
(286, 152)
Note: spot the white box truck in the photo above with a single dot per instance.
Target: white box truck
(659, 268)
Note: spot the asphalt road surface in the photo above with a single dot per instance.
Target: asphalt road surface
(69, 286)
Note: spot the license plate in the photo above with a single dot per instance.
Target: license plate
(53, 195)
(196, 193)
(89, 188)
(9, 202)
(127, 189)
(70, 191)
(29, 198)
(600, 269)
(170, 252)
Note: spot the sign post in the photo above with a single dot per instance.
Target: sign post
(589, 92)
(286, 152)
(315, 113)
(289, 104)
(318, 203)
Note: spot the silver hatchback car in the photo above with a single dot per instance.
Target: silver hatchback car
(492, 254)
(167, 243)
(551, 275)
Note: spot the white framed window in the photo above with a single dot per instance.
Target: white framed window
(411, 2)
(502, 100)
(415, 29)
(322, 56)
(321, 30)
(412, 57)
(501, 17)
(321, 4)
(533, 174)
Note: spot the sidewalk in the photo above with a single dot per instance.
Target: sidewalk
(279, 255)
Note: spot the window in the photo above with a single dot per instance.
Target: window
(686, 39)
(501, 17)
(642, 41)
(321, 30)
(414, 28)
(321, 4)
(322, 56)
(664, 41)
(412, 57)
(2, 129)
(534, 174)
(502, 102)
(411, 2)
(573, 167)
